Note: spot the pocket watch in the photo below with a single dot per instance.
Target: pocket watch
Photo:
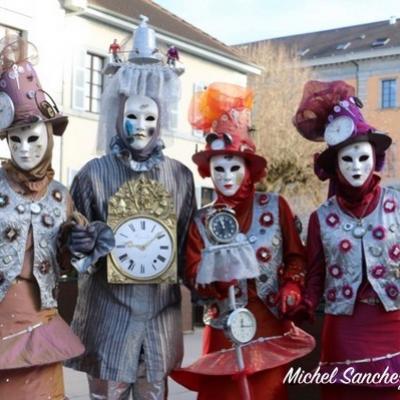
(221, 225)
(240, 326)
(144, 248)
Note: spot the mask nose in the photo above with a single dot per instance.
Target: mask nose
(141, 124)
(24, 146)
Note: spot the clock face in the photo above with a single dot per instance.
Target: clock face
(340, 129)
(241, 325)
(6, 110)
(223, 227)
(144, 248)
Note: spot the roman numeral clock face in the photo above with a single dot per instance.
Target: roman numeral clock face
(144, 248)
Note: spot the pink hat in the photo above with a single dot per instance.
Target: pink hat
(330, 112)
(22, 99)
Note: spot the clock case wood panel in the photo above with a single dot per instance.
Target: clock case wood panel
(143, 198)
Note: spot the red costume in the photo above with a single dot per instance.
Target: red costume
(216, 374)
(359, 335)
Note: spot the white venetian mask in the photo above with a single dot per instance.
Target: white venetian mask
(140, 120)
(356, 162)
(28, 145)
(227, 173)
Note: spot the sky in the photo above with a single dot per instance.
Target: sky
(240, 21)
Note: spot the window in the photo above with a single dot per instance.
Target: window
(388, 93)
(198, 87)
(7, 30)
(93, 82)
(207, 196)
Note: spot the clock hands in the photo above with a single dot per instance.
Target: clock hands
(144, 245)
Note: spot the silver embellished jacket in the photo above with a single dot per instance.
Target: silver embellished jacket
(265, 238)
(347, 241)
(17, 215)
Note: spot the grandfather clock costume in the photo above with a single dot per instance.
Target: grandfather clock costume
(128, 311)
(247, 239)
(35, 211)
(353, 245)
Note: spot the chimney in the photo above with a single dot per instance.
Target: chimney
(392, 20)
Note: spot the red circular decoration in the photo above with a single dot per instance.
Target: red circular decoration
(263, 254)
(266, 219)
(263, 199)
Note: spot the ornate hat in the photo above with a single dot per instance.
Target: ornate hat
(330, 112)
(144, 74)
(22, 99)
(222, 111)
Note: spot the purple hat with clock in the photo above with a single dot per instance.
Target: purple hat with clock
(22, 100)
(330, 112)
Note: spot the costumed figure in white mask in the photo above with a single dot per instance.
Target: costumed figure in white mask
(245, 239)
(353, 248)
(128, 311)
(40, 235)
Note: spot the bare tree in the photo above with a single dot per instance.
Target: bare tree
(278, 92)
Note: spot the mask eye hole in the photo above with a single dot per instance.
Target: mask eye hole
(347, 159)
(235, 168)
(131, 116)
(219, 169)
(15, 139)
(364, 158)
(150, 118)
(32, 139)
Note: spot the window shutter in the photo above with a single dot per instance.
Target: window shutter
(78, 81)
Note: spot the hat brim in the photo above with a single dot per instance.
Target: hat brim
(327, 159)
(59, 123)
(257, 164)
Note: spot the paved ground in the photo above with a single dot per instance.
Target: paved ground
(77, 388)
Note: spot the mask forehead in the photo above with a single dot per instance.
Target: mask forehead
(356, 162)
(141, 105)
(227, 173)
(28, 145)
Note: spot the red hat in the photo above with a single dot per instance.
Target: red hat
(330, 112)
(222, 111)
(22, 99)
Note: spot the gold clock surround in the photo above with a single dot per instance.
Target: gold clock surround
(142, 198)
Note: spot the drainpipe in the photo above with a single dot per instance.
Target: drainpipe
(357, 74)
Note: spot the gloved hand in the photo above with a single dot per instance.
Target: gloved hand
(288, 297)
(302, 312)
(82, 239)
(216, 290)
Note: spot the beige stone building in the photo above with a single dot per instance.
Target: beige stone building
(366, 56)
(73, 38)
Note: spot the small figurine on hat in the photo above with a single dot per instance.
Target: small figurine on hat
(248, 240)
(172, 55)
(114, 49)
(35, 210)
(353, 245)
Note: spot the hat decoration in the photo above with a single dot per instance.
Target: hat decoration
(144, 74)
(223, 112)
(330, 112)
(22, 99)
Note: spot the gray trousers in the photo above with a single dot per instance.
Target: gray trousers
(101, 389)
